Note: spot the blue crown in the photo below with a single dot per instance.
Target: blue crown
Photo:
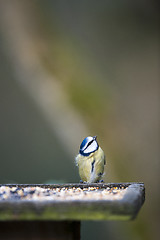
(84, 145)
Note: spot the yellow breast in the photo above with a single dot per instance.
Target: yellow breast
(91, 168)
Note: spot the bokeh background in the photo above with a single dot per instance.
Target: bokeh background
(69, 69)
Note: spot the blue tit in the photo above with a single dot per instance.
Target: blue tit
(90, 160)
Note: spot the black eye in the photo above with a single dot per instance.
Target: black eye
(90, 143)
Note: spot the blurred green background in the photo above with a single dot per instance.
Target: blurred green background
(69, 69)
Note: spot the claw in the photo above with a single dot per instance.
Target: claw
(100, 181)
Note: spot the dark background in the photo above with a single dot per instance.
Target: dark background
(69, 69)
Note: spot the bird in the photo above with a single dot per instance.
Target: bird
(90, 160)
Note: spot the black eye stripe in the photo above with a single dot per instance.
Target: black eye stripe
(88, 144)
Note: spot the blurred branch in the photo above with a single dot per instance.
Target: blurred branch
(45, 89)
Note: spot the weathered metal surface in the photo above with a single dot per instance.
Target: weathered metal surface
(98, 201)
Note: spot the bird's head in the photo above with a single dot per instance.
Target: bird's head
(88, 146)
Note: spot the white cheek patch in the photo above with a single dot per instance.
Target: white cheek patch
(91, 148)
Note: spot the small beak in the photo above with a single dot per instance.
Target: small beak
(95, 137)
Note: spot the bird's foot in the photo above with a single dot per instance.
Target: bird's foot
(82, 182)
(100, 181)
